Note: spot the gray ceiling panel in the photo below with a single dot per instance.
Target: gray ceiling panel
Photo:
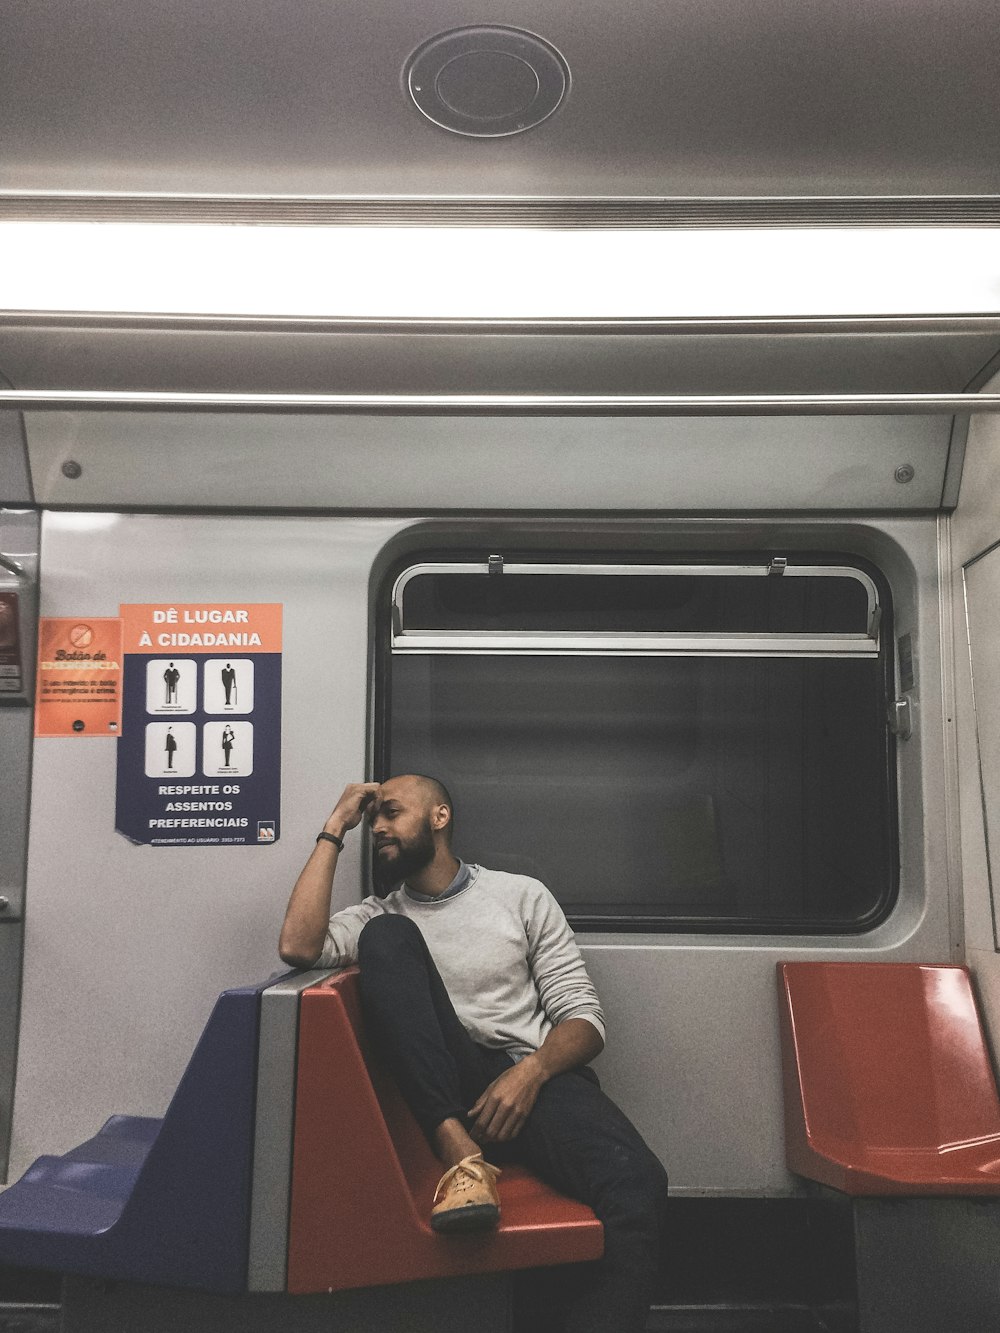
(199, 357)
(425, 464)
(683, 98)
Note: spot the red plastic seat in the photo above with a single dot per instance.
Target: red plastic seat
(363, 1175)
(888, 1082)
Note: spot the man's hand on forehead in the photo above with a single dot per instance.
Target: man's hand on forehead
(380, 796)
(354, 802)
(373, 803)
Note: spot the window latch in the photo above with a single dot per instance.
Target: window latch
(777, 566)
(495, 564)
(900, 720)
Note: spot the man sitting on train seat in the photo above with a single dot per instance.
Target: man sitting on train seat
(477, 997)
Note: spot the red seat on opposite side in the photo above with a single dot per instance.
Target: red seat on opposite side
(363, 1175)
(888, 1083)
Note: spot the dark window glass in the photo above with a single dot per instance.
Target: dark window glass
(720, 604)
(663, 792)
(674, 792)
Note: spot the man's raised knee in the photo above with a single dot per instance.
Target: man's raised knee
(384, 934)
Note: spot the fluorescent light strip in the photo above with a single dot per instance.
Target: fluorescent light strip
(497, 273)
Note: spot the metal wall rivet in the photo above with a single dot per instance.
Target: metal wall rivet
(72, 469)
(905, 472)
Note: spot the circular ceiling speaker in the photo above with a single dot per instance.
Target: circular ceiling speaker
(486, 81)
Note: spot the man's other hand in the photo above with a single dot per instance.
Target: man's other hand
(357, 797)
(501, 1111)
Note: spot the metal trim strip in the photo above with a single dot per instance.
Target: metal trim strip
(494, 642)
(957, 443)
(778, 325)
(274, 1123)
(473, 404)
(649, 212)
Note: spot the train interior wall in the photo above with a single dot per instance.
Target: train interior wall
(145, 937)
(974, 532)
(749, 208)
(126, 947)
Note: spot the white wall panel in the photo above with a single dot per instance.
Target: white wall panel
(127, 947)
(976, 522)
(982, 603)
(537, 463)
(975, 527)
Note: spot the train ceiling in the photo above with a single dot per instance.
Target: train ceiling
(659, 115)
(193, 355)
(656, 110)
(409, 311)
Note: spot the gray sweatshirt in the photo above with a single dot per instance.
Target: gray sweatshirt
(503, 947)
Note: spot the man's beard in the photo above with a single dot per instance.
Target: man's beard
(409, 860)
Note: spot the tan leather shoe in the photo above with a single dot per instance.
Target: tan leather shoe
(466, 1198)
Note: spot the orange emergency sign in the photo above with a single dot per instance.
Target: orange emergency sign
(79, 676)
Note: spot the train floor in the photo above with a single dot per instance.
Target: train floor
(730, 1266)
(761, 1318)
(46, 1318)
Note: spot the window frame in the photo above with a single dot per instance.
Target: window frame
(647, 643)
(394, 639)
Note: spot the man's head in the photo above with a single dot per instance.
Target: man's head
(411, 819)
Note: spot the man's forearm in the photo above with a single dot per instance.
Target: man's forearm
(308, 913)
(569, 1044)
(500, 1112)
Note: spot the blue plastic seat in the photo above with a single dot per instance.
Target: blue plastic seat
(145, 1200)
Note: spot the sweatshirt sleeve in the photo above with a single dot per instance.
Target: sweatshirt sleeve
(340, 949)
(564, 987)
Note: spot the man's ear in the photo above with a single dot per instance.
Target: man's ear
(441, 817)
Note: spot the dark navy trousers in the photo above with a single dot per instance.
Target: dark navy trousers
(576, 1139)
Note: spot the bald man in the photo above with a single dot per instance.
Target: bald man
(477, 997)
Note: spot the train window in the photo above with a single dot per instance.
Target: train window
(669, 747)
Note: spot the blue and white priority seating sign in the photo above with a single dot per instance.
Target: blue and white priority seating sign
(199, 755)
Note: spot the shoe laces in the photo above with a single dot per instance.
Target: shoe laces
(464, 1174)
